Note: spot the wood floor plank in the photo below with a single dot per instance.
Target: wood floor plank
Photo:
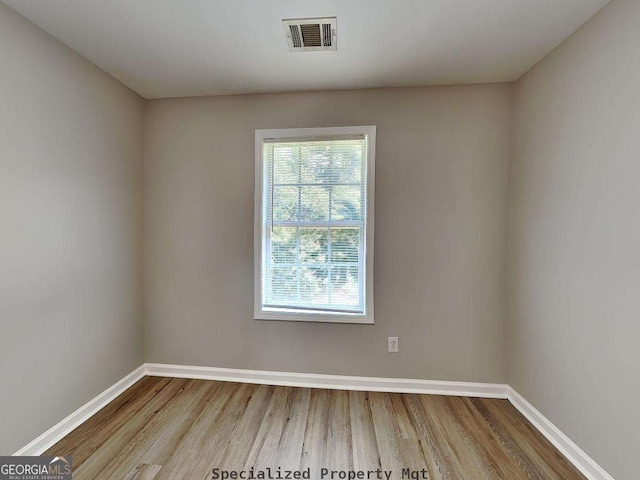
(160, 436)
(463, 424)
(539, 453)
(143, 472)
(268, 436)
(398, 445)
(314, 451)
(279, 441)
(197, 441)
(363, 435)
(436, 452)
(462, 459)
(289, 452)
(211, 451)
(166, 429)
(339, 435)
(88, 437)
(413, 450)
(243, 433)
(527, 466)
(498, 458)
(93, 465)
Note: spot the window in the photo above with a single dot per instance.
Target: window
(314, 224)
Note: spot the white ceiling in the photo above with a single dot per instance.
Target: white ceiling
(175, 48)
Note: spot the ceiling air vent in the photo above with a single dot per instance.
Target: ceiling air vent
(311, 34)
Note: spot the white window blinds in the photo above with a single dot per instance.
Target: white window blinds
(314, 197)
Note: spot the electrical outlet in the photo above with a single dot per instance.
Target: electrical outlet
(392, 344)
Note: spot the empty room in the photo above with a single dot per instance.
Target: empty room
(339, 240)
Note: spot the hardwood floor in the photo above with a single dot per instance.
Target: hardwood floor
(164, 428)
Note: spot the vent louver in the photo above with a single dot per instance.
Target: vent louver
(295, 36)
(311, 34)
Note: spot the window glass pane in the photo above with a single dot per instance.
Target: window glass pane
(284, 284)
(347, 164)
(345, 286)
(345, 245)
(313, 245)
(313, 213)
(316, 167)
(314, 203)
(283, 245)
(286, 164)
(314, 285)
(345, 203)
(285, 203)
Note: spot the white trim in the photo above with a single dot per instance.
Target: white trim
(335, 382)
(564, 444)
(260, 137)
(81, 415)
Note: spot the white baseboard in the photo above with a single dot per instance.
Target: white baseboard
(564, 444)
(63, 428)
(570, 450)
(336, 382)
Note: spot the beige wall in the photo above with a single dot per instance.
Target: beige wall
(70, 205)
(574, 250)
(441, 208)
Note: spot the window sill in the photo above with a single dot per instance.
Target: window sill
(321, 317)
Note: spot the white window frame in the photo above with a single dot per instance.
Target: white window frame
(261, 313)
